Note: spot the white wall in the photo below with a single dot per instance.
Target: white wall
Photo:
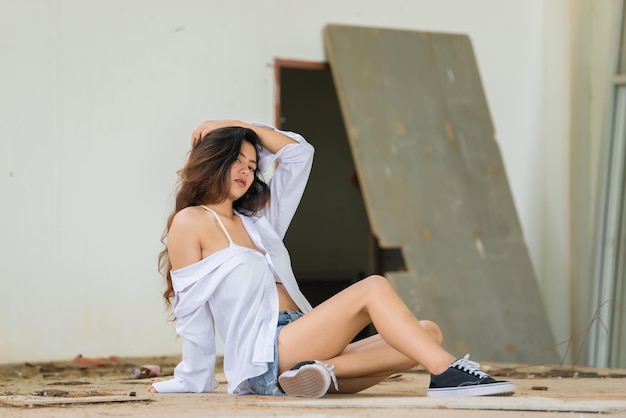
(97, 101)
(548, 189)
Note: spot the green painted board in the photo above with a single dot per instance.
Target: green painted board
(435, 186)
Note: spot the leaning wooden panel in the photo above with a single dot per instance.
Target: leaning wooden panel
(434, 185)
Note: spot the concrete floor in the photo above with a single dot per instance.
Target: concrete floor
(104, 391)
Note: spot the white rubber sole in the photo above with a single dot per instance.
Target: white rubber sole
(309, 381)
(491, 389)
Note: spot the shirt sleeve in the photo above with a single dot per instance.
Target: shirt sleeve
(195, 373)
(288, 172)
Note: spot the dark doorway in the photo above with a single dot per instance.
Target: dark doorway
(329, 239)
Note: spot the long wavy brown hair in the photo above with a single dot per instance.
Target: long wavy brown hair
(205, 179)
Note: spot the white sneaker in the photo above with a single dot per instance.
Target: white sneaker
(309, 379)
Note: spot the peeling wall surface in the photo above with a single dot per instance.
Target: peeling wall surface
(97, 103)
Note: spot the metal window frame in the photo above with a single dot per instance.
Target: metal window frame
(611, 220)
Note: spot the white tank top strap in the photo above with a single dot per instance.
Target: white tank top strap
(220, 222)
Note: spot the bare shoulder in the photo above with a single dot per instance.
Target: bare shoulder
(186, 225)
(195, 218)
(195, 226)
(184, 237)
(188, 217)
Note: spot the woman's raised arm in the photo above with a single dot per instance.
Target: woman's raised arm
(272, 140)
(284, 162)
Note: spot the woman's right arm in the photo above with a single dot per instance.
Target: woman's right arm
(195, 373)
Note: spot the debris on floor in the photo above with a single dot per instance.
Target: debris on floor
(30, 401)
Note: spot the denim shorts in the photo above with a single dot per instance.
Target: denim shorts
(267, 383)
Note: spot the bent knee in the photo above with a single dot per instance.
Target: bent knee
(375, 286)
(376, 281)
(433, 329)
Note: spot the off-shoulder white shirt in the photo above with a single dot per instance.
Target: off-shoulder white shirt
(234, 288)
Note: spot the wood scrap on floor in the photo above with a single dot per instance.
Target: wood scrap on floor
(29, 401)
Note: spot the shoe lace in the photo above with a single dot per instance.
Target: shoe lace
(470, 367)
(330, 369)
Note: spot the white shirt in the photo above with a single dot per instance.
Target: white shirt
(234, 288)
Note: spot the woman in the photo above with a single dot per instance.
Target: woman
(226, 266)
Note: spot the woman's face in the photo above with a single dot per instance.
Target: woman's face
(242, 171)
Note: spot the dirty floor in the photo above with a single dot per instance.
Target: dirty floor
(105, 388)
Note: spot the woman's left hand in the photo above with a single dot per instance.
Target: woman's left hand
(209, 126)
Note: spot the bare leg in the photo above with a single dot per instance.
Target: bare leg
(356, 369)
(432, 328)
(362, 351)
(325, 333)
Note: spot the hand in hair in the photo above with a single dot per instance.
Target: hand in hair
(210, 125)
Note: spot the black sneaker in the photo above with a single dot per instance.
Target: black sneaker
(309, 379)
(464, 378)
